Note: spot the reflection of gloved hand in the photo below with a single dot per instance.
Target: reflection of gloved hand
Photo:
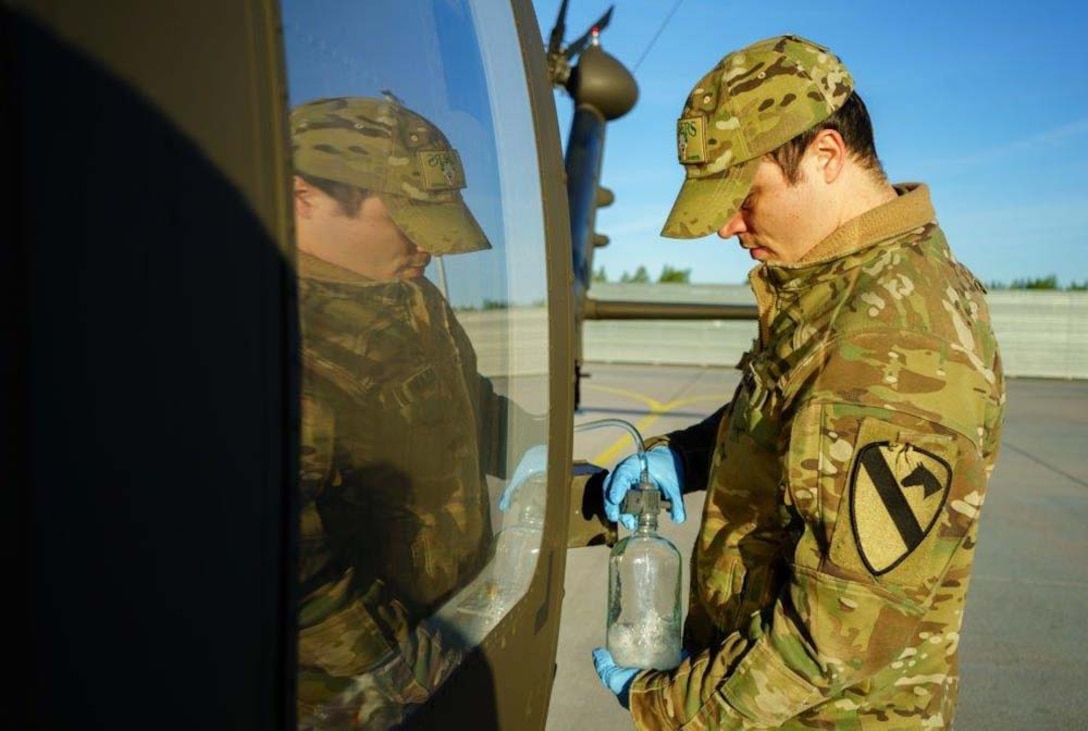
(617, 679)
(666, 471)
(533, 462)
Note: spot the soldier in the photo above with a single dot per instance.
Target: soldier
(398, 428)
(844, 480)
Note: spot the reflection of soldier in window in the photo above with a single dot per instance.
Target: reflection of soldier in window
(398, 428)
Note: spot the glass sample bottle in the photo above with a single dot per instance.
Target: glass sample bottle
(644, 589)
(517, 545)
(509, 573)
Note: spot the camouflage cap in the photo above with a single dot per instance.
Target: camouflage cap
(396, 154)
(754, 101)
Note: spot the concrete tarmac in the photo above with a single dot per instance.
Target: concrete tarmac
(1024, 647)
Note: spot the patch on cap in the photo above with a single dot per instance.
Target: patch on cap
(691, 140)
(441, 169)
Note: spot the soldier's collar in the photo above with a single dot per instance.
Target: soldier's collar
(311, 267)
(909, 210)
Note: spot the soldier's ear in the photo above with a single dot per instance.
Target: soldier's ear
(304, 198)
(830, 153)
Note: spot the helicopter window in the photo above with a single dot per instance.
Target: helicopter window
(423, 308)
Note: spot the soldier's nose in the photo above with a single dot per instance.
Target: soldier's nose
(733, 226)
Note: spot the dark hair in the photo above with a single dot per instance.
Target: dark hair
(851, 120)
(348, 197)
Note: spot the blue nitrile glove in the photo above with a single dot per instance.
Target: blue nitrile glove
(665, 470)
(617, 679)
(533, 462)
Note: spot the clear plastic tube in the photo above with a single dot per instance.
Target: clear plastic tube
(640, 446)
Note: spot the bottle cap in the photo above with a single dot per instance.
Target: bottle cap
(643, 500)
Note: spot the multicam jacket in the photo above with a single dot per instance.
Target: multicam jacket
(395, 510)
(844, 490)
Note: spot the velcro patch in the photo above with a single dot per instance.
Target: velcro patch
(441, 169)
(691, 140)
(897, 493)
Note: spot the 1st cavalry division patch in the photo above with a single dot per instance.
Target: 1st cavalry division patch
(897, 494)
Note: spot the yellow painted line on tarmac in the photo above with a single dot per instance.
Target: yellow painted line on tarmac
(657, 409)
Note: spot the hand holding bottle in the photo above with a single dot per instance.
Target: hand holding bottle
(666, 472)
(617, 679)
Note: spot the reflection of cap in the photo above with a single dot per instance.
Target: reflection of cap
(394, 153)
(753, 102)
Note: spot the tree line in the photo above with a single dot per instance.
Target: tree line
(1045, 283)
(668, 275)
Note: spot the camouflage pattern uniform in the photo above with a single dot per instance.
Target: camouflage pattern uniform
(395, 508)
(847, 475)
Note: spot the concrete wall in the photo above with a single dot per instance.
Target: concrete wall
(1042, 334)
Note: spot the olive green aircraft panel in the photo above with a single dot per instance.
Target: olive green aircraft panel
(213, 68)
(149, 350)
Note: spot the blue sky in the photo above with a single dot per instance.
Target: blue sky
(987, 103)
